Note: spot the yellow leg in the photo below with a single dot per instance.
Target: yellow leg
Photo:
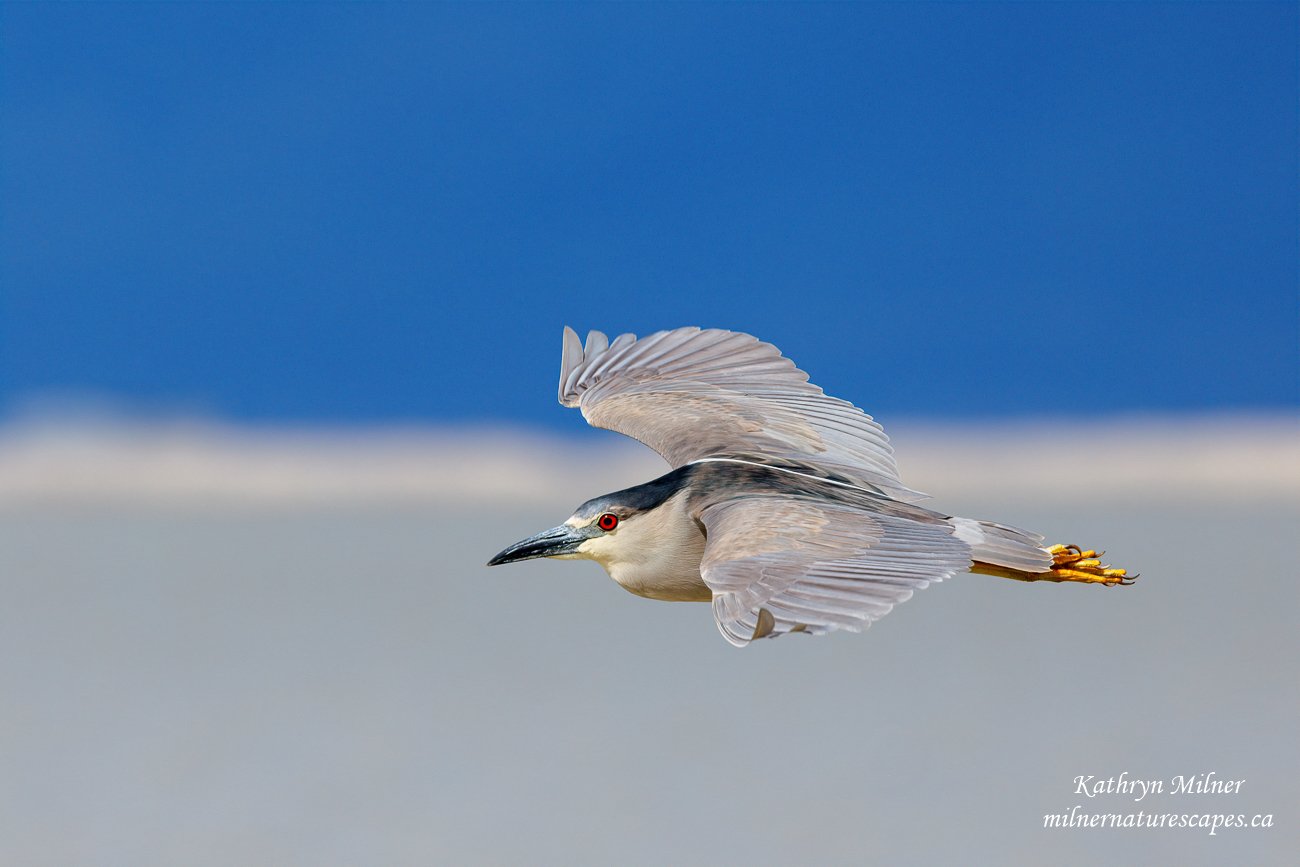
(1072, 563)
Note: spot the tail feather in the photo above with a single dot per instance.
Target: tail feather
(1003, 547)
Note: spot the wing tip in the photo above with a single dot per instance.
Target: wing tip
(571, 355)
(597, 342)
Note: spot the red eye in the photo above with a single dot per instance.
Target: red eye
(607, 522)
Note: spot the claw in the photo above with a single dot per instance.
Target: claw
(1072, 563)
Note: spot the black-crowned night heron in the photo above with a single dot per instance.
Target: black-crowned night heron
(784, 507)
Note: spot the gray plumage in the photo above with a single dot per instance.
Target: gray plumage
(784, 508)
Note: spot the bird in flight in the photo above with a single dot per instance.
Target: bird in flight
(784, 508)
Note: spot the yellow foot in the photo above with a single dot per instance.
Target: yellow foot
(1072, 563)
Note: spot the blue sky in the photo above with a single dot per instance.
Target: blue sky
(385, 213)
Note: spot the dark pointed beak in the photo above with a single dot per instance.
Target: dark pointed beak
(548, 543)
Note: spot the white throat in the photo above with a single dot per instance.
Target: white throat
(655, 554)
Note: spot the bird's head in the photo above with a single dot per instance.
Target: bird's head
(623, 527)
(596, 531)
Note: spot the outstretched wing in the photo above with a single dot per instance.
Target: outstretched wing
(779, 564)
(691, 394)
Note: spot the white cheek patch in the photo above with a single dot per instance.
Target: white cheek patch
(596, 548)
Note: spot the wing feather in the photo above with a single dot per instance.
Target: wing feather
(692, 394)
(783, 564)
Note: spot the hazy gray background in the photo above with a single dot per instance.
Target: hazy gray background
(223, 646)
